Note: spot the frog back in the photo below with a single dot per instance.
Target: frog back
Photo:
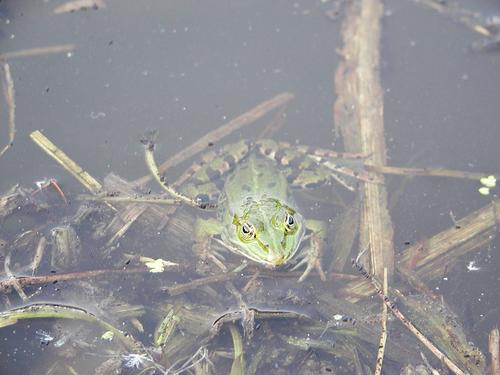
(255, 177)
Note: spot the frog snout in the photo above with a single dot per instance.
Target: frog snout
(279, 261)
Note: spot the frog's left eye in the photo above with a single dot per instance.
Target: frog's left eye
(290, 224)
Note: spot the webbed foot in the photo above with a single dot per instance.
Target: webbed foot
(312, 258)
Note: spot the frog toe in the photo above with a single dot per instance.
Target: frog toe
(312, 262)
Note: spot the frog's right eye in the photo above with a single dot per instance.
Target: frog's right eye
(246, 232)
(290, 224)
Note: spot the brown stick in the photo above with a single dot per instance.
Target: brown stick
(221, 132)
(359, 114)
(37, 280)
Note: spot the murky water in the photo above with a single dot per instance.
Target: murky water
(185, 68)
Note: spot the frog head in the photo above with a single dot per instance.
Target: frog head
(268, 231)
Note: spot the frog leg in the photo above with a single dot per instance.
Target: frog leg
(309, 150)
(345, 168)
(205, 229)
(216, 164)
(203, 179)
(318, 176)
(313, 254)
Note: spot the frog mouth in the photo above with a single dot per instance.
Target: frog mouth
(274, 262)
(279, 261)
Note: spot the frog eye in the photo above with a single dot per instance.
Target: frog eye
(247, 232)
(290, 224)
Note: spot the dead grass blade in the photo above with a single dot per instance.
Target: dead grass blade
(89, 182)
(39, 51)
(8, 91)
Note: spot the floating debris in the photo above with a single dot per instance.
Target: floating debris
(44, 337)
(471, 266)
(49, 182)
(157, 265)
(134, 360)
(73, 6)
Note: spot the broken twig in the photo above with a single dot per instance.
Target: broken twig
(383, 335)
(39, 280)
(151, 163)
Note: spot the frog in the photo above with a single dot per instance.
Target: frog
(257, 214)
